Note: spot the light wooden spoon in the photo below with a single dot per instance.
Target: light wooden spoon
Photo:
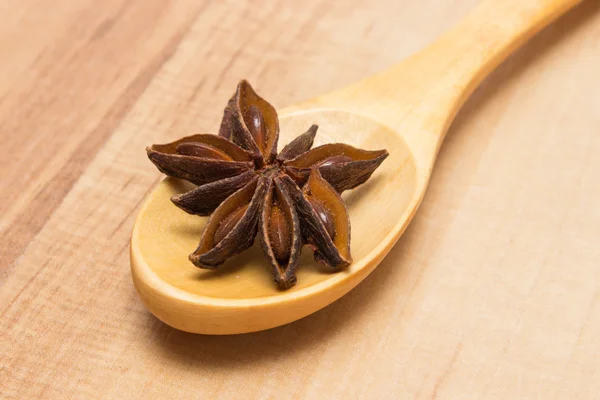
(406, 109)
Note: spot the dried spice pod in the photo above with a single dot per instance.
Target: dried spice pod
(324, 219)
(343, 166)
(253, 124)
(235, 152)
(280, 235)
(204, 199)
(288, 199)
(196, 170)
(200, 170)
(330, 209)
(300, 145)
(225, 129)
(202, 150)
(241, 229)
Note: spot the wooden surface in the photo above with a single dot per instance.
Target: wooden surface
(492, 292)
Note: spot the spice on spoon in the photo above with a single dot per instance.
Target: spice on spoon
(288, 199)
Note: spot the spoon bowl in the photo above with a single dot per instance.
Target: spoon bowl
(406, 110)
(186, 297)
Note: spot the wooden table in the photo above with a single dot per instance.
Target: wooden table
(493, 291)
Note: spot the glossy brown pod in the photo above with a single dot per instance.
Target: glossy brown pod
(229, 148)
(343, 166)
(299, 145)
(200, 170)
(240, 236)
(330, 249)
(252, 123)
(280, 235)
(204, 199)
(203, 151)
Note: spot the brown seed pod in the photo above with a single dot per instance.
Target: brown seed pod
(333, 160)
(202, 150)
(280, 235)
(205, 198)
(300, 145)
(330, 249)
(233, 151)
(343, 166)
(219, 242)
(253, 124)
(324, 215)
(200, 169)
(228, 223)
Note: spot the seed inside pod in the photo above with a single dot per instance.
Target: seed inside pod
(229, 223)
(342, 158)
(324, 215)
(344, 167)
(202, 150)
(257, 126)
(280, 234)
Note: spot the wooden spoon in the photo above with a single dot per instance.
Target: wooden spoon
(406, 109)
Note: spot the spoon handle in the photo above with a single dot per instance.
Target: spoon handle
(427, 90)
(487, 36)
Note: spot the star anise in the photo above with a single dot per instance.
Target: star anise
(289, 199)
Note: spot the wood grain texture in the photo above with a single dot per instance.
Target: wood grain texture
(492, 292)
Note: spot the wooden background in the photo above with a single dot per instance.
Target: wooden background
(492, 292)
